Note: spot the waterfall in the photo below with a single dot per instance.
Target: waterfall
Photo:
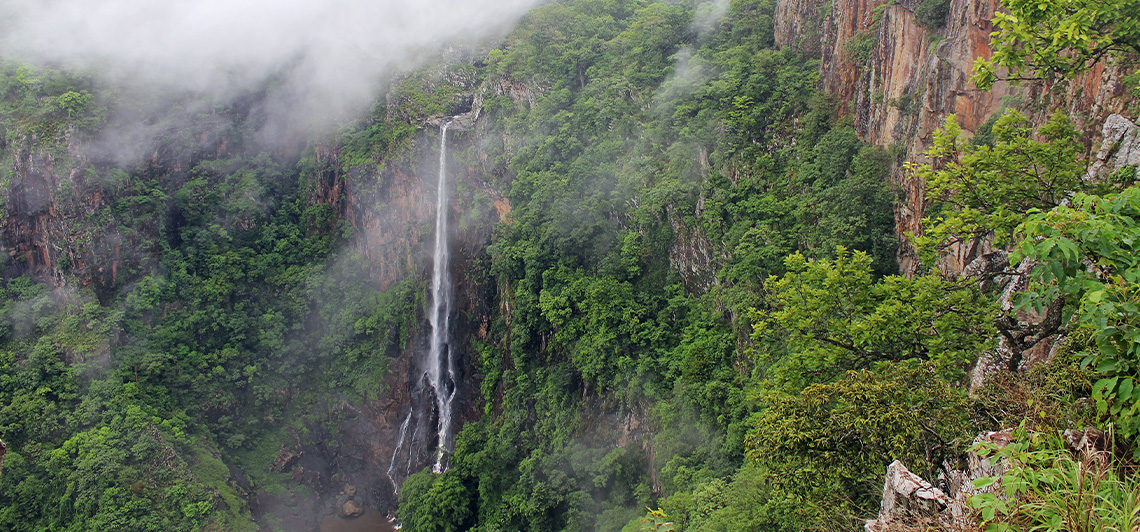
(440, 365)
(396, 452)
(431, 386)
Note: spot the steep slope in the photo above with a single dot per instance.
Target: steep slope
(674, 230)
(901, 76)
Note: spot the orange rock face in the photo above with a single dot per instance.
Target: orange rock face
(914, 78)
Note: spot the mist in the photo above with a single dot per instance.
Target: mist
(322, 58)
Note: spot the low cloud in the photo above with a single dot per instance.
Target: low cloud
(329, 56)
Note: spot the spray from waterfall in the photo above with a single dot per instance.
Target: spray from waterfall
(440, 364)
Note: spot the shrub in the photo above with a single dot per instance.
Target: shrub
(931, 14)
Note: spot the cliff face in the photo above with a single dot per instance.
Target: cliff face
(32, 214)
(74, 214)
(392, 213)
(65, 218)
(913, 78)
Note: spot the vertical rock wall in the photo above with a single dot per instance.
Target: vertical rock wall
(55, 216)
(914, 78)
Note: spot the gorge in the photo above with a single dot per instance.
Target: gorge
(606, 265)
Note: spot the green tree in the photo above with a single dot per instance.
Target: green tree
(1036, 39)
(825, 449)
(830, 316)
(432, 502)
(985, 192)
(1088, 253)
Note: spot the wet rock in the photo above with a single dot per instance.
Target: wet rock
(350, 509)
(309, 477)
(348, 505)
(285, 460)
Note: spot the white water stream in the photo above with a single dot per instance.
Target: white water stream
(429, 418)
(440, 364)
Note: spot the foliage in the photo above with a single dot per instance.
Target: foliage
(827, 447)
(432, 502)
(366, 144)
(125, 405)
(931, 14)
(832, 316)
(859, 46)
(1052, 396)
(659, 165)
(598, 320)
(1044, 39)
(414, 99)
(747, 501)
(856, 209)
(1086, 252)
(1045, 487)
(90, 455)
(986, 191)
(39, 105)
(656, 521)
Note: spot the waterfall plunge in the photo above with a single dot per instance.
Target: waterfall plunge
(429, 416)
(440, 365)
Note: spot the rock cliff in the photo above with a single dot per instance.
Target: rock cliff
(66, 222)
(391, 211)
(899, 81)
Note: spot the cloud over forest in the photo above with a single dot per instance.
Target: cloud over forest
(329, 55)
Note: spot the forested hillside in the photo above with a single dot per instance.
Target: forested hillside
(680, 305)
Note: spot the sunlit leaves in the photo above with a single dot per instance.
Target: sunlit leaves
(833, 316)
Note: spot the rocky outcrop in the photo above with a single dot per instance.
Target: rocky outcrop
(1029, 336)
(911, 79)
(1033, 336)
(1119, 149)
(692, 255)
(49, 198)
(347, 505)
(59, 225)
(915, 79)
(911, 503)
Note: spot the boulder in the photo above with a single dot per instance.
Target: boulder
(349, 509)
(909, 502)
(348, 505)
(285, 460)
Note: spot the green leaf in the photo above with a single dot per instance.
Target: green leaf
(1124, 390)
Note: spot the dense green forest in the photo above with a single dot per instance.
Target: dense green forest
(697, 323)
